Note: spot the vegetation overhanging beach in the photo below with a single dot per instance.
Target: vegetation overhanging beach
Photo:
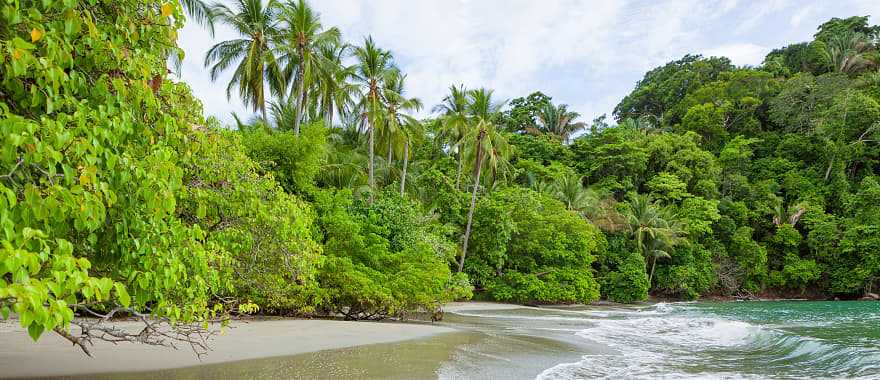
(119, 200)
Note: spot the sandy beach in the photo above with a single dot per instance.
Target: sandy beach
(53, 356)
(475, 340)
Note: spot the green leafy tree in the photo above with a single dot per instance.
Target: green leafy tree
(91, 155)
(267, 232)
(529, 248)
(383, 257)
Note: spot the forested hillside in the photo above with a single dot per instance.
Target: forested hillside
(119, 197)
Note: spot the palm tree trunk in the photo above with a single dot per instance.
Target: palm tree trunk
(651, 275)
(371, 178)
(388, 160)
(301, 107)
(263, 110)
(329, 114)
(405, 162)
(458, 173)
(467, 231)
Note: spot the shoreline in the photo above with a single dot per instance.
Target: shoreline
(470, 341)
(241, 341)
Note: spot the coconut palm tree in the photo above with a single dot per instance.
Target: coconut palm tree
(335, 93)
(654, 230)
(646, 124)
(559, 121)
(851, 52)
(252, 54)
(301, 39)
(782, 216)
(395, 103)
(374, 66)
(411, 130)
(489, 146)
(454, 123)
(569, 189)
(200, 12)
(283, 113)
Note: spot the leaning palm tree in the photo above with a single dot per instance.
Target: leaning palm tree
(374, 66)
(654, 230)
(454, 123)
(488, 143)
(301, 39)
(252, 53)
(559, 121)
(850, 52)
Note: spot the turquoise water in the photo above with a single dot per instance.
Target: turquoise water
(700, 340)
(735, 340)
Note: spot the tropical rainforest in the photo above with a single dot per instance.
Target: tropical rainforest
(118, 197)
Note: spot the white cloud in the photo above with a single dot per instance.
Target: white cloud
(587, 54)
(740, 54)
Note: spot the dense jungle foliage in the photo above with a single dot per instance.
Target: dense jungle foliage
(336, 200)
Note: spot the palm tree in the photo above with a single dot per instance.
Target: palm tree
(283, 113)
(410, 130)
(569, 189)
(644, 124)
(302, 38)
(374, 66)
(394, 101)
(782, 216)
(488, 142)
(559, 121)
(256, 24)
(335, 93)
(454, 123)
(850, 52)
(200, 12)
(654, 230)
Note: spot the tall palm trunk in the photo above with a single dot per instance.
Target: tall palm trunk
(478, 166)
(458, 173)
(300, 108)
(329, 114)
(651, 275)
(371, 178)
(405, 163)
(388, 160)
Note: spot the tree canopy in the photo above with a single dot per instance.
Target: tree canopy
(118, 197)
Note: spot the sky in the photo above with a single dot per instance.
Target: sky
(588, 54)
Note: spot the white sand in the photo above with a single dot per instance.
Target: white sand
(54, 356)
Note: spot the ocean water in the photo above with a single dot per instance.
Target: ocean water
(701, 340)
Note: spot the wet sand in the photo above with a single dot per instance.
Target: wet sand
(476, 340)
(54, 356)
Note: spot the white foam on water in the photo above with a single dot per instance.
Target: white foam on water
(649, 342)
(670, 341)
